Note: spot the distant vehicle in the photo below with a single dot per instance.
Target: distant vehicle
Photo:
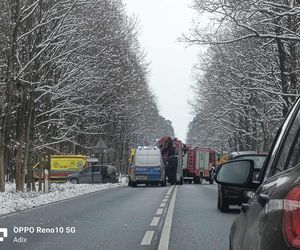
(221, 157)
(130, 162)
(109, 173)
(173, 151)
(200, 163)
(61, 166)
(95, 174)
(234, 155)
(228, 195)
(147, 167)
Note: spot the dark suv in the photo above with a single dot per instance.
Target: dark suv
(271, 218)
(230, 195)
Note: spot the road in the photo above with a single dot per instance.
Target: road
(174, 217)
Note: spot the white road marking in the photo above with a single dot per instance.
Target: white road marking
(165, 235)
(163, 204)
(165, 200)
(147, 238)
(167, 197)
(159, 211)
(170, 190)
(154, 221)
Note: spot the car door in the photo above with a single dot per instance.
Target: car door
(86, 175)
(251, 226)
(97, 174)
(104, 174)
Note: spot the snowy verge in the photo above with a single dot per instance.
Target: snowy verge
(12, 201)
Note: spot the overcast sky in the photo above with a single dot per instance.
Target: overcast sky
(161, 23)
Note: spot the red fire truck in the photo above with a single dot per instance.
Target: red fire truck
(199, 163)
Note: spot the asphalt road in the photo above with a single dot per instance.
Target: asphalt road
(174, 217)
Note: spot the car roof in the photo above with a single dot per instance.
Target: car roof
(242, 153)
(150, 151)
(103, 165)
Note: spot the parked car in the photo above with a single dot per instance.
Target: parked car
(95, 174)
(231, 195)
(271, 218)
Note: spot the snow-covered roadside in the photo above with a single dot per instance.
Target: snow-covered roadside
(12, 201)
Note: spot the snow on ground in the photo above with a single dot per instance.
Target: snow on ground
(12, 201)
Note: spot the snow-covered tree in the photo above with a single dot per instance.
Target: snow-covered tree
(249, 76)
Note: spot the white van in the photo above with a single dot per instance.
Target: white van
(147, 167)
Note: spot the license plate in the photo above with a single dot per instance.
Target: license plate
(141, 177)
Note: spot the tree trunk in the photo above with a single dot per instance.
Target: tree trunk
(284, 80)
(21, 113)
(2, 175)
(28, 138)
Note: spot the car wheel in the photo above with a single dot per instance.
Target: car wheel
(224, 205)
(74, 181)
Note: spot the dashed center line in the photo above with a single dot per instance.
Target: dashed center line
(154, 221)
(170, 190)
(163, 204)
(147, 238)
(159, 211)
(149, 234)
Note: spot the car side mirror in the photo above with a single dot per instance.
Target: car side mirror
(236, 173)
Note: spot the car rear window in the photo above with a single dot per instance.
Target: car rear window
(150, 160)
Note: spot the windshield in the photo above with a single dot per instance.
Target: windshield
(151, 160)
(258, 159)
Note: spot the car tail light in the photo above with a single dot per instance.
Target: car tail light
(292, 217)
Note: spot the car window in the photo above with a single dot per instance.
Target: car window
(294, 160)
(288, 155)
(86, 170)
(147, 160)
(96, 168)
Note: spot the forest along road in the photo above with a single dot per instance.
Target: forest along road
(173, 217)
